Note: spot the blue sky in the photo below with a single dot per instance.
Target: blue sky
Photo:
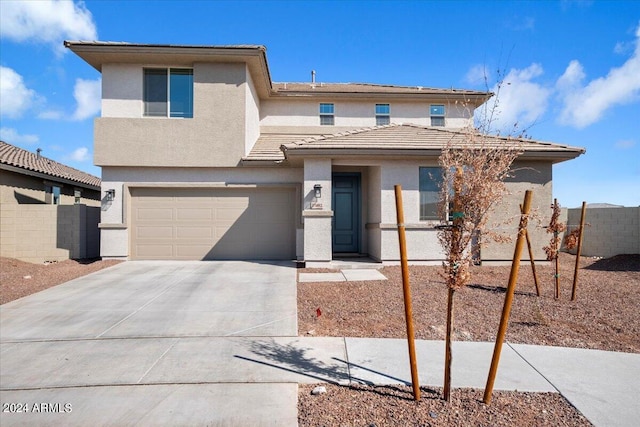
(572, 68)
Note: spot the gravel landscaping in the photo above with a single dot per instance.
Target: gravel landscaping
(380, 406)
(19, 279)
(604, 316)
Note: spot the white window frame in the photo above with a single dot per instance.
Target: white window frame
(327, 116)
(383, 119)
(435, 217)
(439, 118)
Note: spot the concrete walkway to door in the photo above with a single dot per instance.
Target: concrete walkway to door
(141, 343)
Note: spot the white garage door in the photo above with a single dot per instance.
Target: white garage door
(224, 223)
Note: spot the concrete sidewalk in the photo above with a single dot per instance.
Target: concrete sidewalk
(201, 380)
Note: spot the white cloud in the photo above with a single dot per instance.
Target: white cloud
(625, 144)
(521, 24)
(80, 155)
(12, 136)
(585, 104)
(478, 74)
(519, 102)
(622, 48)
(46, 21)
(88, 98)
(15, 96)
(51, 115)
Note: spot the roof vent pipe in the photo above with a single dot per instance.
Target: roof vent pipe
(38, 151)
(313, 76)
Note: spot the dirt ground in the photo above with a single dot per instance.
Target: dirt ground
(19, 278)
(604, 316)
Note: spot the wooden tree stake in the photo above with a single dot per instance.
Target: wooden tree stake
(533, 263)
(557, 275)
(508, 299)
(407, 293)
(578, 252)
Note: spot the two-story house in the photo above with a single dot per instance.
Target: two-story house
(204, 157)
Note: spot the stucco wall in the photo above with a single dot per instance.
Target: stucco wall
(535, 176)
(422, 243)
(374, 213)
(215, 136)
(252, 115)
(293, 112)
(610, 231)
(317, 222)
(38, 233)
(122, 90)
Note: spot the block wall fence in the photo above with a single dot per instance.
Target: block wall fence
(39, 233)
(610, 231)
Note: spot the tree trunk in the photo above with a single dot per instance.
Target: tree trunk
(448, 354)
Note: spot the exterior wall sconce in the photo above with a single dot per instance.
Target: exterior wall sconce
(317, 189)
(111, 194)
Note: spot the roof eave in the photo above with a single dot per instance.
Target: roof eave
(36, 174)
(292, 150)
(477, 99)
(97, 54)
(358, 152)
(554, 156)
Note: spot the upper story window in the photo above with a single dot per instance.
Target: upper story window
(383, 114)
(437, 115)
(429, 187)
(52, 194)
(326, 115)
(168, 92)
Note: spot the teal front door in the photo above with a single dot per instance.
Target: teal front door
(345, 200)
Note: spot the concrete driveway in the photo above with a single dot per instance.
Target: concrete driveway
(148, 343)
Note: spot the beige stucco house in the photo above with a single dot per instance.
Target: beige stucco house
(48, 211)
(207, 158)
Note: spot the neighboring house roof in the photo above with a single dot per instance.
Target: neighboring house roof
(394, 139)
(31, 163)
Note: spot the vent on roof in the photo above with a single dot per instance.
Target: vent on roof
(313, 76)
(38, 151)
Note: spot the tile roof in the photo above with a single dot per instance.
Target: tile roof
(406, 138)
(362, 88)
(23, 159)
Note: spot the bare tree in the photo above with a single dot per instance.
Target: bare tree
(474, 167)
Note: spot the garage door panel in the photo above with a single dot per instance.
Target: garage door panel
(157, 214)
(151, 200)
(229, 213)
(154, 251)
(181, 223)
(194, 232)
(155, 232)
(194, 214)
(191, 251)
